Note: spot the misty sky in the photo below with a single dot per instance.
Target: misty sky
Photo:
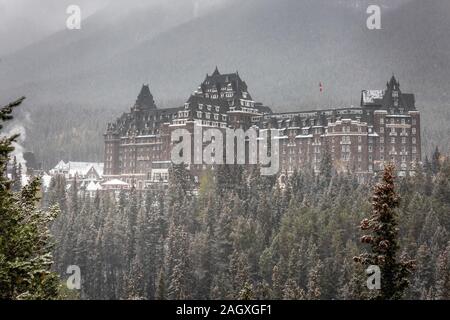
(23, 22)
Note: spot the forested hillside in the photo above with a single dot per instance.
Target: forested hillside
(242, 236)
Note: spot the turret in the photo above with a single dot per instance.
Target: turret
(145, 99)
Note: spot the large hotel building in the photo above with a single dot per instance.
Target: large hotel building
(384, 128)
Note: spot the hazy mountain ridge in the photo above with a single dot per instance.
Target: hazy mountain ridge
(282, 49)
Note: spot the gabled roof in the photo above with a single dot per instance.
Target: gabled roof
(145, 99)
(78, 168)
(219, 81)
(385, 98)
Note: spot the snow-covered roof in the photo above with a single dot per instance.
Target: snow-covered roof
(92, 186)
(115, 182)
(81, 168)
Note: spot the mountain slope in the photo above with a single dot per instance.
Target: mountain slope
(282, 49)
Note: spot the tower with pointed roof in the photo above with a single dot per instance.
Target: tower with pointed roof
(222, 100)
(145, 100)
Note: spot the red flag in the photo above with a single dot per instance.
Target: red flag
(320, 86)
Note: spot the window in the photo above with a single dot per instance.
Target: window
(403, 140)
(381, 120)
(199, 114)
(381, 139)
(413, 130)
(359, 148)
(381, 129)
(392, 140)
(359, 139)
(217, 109)
(414, 121)
(414, 140)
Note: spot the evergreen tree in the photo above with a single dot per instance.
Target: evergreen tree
(246, 292)
(383, 240)
(314, 285)
(161, 288)
(277, 286)
(436, 161)
(443, 275)
(25, 247)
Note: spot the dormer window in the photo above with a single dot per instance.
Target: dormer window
(200, 106)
